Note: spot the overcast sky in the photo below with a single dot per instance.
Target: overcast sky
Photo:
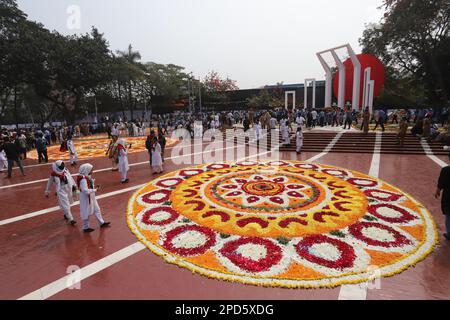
(255, 42)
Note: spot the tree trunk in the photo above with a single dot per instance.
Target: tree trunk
(16, 114)
(130, 101)
(120, 99)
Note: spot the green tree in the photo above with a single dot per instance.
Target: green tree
(263, 100)
(131, 74)
(18, 38)
(78, 65)
(413, 41)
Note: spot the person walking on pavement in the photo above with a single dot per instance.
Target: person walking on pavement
(12, 155)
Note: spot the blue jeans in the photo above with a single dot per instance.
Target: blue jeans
(447, 223)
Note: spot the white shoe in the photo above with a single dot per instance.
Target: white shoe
(446, 148)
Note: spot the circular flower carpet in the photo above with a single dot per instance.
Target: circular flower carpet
(90, 148)
(286, 224)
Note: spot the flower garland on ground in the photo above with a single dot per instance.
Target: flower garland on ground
(287, 224)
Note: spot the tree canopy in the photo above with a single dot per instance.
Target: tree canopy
(46, 75)
(413, 41)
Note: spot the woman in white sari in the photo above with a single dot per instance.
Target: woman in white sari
(284, 128)
(123, 160)
(157, 163)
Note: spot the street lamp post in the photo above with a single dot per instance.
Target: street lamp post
(200, 94)
(189, 94)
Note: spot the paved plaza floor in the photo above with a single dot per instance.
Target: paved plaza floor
(38, 249)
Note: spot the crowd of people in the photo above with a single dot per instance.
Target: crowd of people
(14, 144)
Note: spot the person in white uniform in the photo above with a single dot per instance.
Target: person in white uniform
(88, 203)
(123, 160)
(157, 163)
(3, 161)
(299, 139)
(285, 133)
(135, 130)
(273, 123)
(65, 188)
(258, 130)
(72, 151)
(115, 130)
(300, 120)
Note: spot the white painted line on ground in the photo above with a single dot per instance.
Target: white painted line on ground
(106, 169)
(359, 291)
(429, 153)
(50, 163)
(328, 148)
(106, 195)
(67, 281)
(375, 165)
(53, 209)
(72, 279)
(33, 165)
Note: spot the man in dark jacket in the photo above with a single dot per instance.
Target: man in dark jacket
(41, 146)
(381, 120)
(444, 188)
(246, 124)
(12, 154)
(148, 144)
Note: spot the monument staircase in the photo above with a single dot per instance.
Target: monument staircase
(354, 142)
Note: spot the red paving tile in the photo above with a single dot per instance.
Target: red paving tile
(429, 279)
(195, 287)
(37, 251)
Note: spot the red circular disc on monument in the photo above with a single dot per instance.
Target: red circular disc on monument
(377, 74)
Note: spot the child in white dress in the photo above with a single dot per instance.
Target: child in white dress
(72, 151)
(88, 203)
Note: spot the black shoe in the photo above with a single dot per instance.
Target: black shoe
(105, 225)
(65, 218)
(73, 222)
(447, 236)
(88, 230)
(126, 181)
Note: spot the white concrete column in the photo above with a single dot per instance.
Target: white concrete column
(328, 81)
(286, 99)
(341, 91)
(356, 78)
(314, 94)
(313, 81)
(367, 72)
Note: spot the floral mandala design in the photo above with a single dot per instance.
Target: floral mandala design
(284, 224)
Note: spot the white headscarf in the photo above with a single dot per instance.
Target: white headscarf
(121, 142)
(85, 169)
(56, 165)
